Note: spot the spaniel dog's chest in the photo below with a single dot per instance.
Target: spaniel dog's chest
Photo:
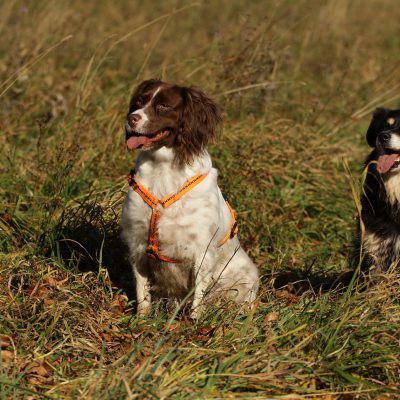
(183, 229)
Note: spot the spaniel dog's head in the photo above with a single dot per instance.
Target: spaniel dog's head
(161, 114)
(384, 135)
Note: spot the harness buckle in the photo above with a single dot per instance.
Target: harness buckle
(234, 230)
(131, 177)
(152, 253)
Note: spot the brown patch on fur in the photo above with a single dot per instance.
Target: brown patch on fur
(191, 117)
(199, 123)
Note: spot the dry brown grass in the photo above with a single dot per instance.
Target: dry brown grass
(297, 81)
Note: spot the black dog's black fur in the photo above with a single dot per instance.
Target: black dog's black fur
(377, 247)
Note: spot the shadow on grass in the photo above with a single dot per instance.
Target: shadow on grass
(87, 237)
(299, 282)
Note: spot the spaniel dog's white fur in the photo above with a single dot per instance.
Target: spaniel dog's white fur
(172, 125)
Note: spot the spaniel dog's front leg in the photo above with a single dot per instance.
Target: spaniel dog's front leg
(143, 296)
(203, 282)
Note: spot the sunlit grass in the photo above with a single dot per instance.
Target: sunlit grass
(297, 82)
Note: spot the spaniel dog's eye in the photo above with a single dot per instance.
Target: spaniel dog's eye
(139, 102)
(163, 107)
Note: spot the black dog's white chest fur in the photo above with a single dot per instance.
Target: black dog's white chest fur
(392, 187)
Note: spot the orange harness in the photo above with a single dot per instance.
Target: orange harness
(153, 249)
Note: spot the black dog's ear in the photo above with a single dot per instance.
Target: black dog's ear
(378, 117)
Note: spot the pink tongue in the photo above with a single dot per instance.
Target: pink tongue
(385, 162)
(135, 141)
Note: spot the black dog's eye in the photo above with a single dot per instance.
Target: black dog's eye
(139, 102)
(163, 107)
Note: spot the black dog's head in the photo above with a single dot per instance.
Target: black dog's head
(384, 135)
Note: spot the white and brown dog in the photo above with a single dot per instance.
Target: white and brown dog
(180, 230)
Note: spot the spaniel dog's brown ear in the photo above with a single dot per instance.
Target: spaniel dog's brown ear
(199, 123)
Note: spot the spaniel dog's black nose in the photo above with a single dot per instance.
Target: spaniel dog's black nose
(133, 119)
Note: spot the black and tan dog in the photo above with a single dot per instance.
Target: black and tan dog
(378, 244)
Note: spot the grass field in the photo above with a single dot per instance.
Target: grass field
(297, 81)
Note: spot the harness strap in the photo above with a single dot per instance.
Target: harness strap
(188, 185)
(153, 248)
(142, 191)
(234, 226)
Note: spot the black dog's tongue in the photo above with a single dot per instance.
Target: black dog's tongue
(386, 161)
